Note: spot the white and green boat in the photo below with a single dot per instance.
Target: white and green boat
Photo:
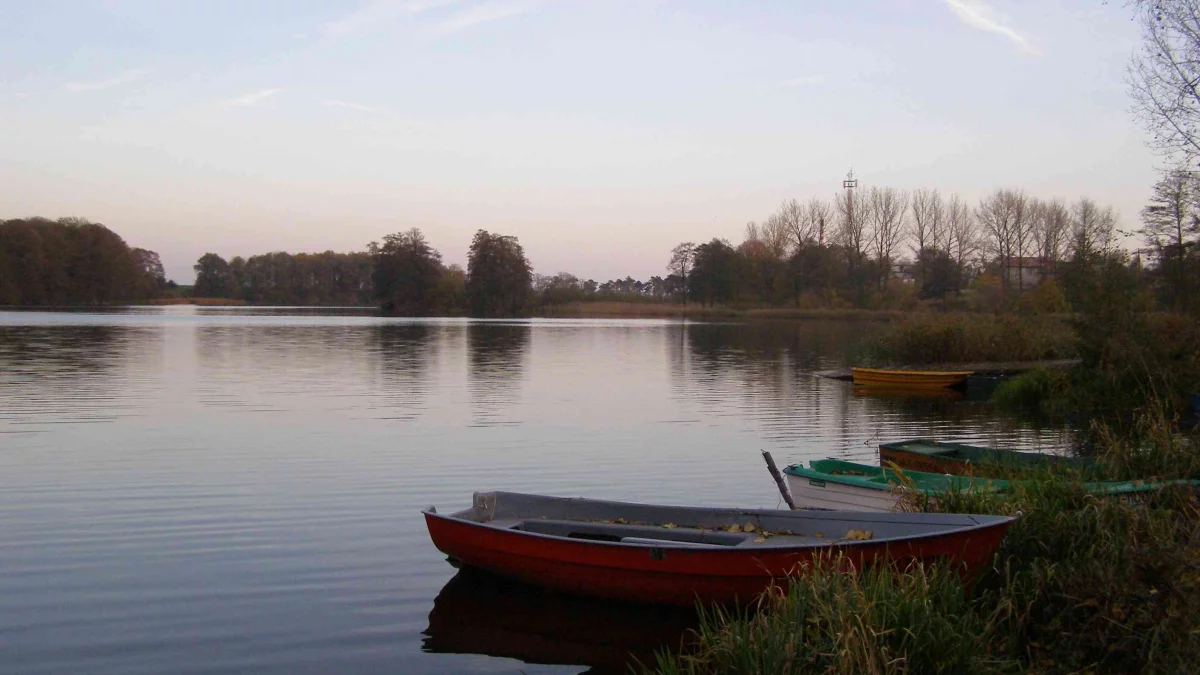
(838, 484)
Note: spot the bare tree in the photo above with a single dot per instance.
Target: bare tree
(1165, 78)
(1092, 228)
(681, 263)
(1050, 222)
(790, 217)
(928, 220)
(1171, 223)
(1006, 221)
(820, 217)
(1022, 232)
(888, 206)
(854, 212)
(778, 231)
(752, 235)
(962, 233)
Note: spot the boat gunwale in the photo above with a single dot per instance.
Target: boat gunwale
(992, 521)
(918, 373)
(981, 483)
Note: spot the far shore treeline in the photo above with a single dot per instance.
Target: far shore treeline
(875, 249)
(71, 261)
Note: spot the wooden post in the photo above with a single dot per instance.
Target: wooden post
(787, 497)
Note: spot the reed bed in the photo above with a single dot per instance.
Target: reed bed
(919, 339)
(616, 309)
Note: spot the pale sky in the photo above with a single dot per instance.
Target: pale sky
(600, 132)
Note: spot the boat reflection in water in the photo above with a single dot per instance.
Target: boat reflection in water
(477, 613)
(943, 393)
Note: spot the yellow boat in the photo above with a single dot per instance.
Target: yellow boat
(908, 379)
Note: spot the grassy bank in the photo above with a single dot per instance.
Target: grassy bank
(917, 339)
(1081, 584)
(609, 309)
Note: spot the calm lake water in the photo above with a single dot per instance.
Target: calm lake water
(207, 490)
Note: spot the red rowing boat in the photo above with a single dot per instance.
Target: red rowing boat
(678, 555)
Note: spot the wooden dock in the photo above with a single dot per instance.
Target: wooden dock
(989, 369)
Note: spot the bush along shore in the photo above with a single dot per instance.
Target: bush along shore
(1082, 583)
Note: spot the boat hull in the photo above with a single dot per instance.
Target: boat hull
(683, 575)
(907, 379)
(963, 460)
(814, 493)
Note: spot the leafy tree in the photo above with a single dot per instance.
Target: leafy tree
(71, 261)
(939, 273)
(714, 274)
(499, 276)
(407, 272)
(151, 279)
(450, 295)
(213, 279)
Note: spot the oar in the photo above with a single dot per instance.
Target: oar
(787, 497)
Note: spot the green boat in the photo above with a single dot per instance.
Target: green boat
(839, 484)
(965, 460)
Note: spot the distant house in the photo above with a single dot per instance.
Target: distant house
(1025, 272)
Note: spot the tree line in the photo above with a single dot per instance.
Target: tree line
(869, 248)
(403, 275)
(287, 279)
(72, 261)
(869, 245)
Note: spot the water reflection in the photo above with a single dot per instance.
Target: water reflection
(407, 353)
(496, 356)
(255, 367)
(910, 395)
(476, 613)
(78, 374)
(762, 374)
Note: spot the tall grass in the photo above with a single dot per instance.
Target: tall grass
(874, 621)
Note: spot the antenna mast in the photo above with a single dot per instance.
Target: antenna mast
(849, 184)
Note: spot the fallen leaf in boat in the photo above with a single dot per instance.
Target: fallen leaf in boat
(735, 528)
(818, 535)
(760, 540)
(669, 526)
(619, 521)
(858, 535)
(749, 527)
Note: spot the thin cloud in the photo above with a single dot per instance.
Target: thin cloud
(251, 99)
(115, 81)
(334, 103)
(379, 10)
(474, 16)
(976, 14)
(802, 81)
